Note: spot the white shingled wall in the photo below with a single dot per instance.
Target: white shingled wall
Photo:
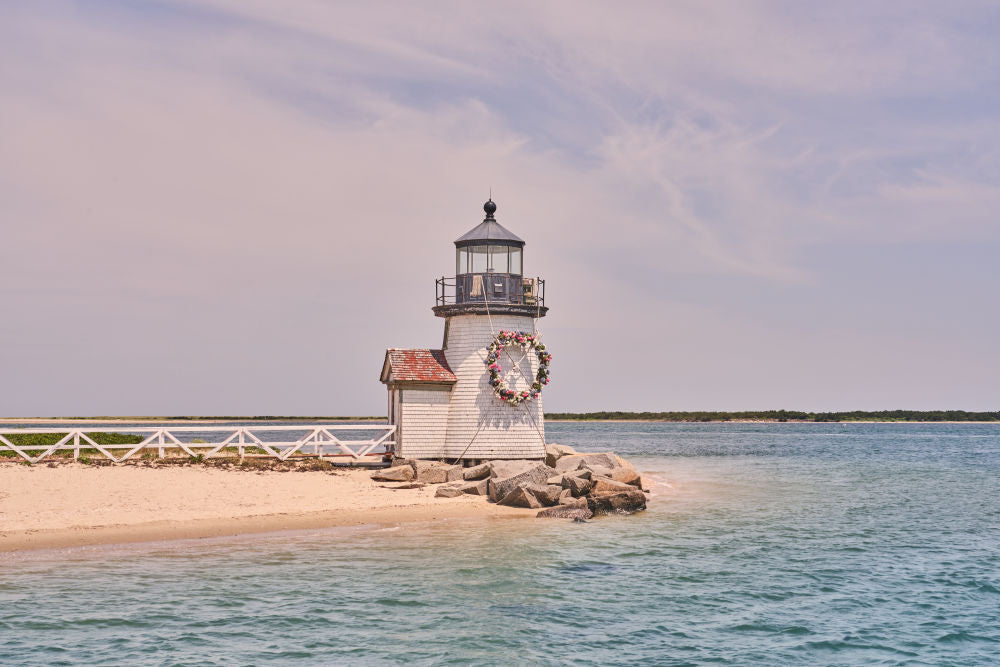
(495, 429)
(423, 423)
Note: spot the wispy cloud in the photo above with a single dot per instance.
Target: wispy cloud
(176, 168)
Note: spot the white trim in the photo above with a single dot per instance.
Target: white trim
(318, 435)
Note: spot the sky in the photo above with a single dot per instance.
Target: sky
(235, 206)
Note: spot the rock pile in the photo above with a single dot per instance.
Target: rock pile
(569, 484)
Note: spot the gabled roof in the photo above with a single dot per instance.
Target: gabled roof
(489, 230)
(418, 366)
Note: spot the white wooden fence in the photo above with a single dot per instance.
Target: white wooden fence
(318, 437)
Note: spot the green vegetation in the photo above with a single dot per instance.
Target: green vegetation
(784, 416)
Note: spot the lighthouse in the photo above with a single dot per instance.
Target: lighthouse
(479, 396)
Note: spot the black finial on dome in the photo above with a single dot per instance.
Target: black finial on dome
(490, 209)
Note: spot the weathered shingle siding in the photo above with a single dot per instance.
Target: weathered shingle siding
(423, 423)
(504, 431)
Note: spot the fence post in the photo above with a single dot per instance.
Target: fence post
(159, 441)
(76, 446)
(242, 442)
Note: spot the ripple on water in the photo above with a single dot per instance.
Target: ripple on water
(765, 544)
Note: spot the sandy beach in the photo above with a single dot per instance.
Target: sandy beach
(73, 504)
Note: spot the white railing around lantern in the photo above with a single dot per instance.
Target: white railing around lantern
(318, 437)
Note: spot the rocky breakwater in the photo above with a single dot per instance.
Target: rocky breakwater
(568, 484)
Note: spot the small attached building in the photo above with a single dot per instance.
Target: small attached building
(419, 383)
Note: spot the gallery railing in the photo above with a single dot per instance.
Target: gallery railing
(499, 288)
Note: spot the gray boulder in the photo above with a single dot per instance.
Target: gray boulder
(577, 507)
(598, 470)
(566, 497)
(448, 491)
(555, 452)
(507, 478)
(625, 502)
(436, 472)
(565, 512)
(568, 463)
(396, 474)
(605, 486)
(521, 496)
(547, 494)
(627, 475)
(476, 488)
(400, 462)
(606, 459)
(574, 461)
(422, 466)
(509, 468)
(481, 471)
(577, 485)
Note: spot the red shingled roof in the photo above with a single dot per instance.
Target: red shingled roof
(417, 365)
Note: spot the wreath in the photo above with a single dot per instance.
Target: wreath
(526, 342)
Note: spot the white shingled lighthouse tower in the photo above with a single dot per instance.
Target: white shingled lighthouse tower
(479, 397)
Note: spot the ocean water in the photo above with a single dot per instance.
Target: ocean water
(797, 544)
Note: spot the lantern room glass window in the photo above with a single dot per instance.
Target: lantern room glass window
(478, 257)
(515, 261)
(489, 259)
(499, 260)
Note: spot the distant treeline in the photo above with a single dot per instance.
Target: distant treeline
(786, 416)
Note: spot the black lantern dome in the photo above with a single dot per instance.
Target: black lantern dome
(489, 274)
(489, 232)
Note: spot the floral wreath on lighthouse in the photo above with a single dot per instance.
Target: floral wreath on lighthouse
(527, 342)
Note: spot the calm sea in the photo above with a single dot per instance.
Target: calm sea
(816, 544)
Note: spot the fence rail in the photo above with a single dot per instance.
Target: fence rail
(318, 437)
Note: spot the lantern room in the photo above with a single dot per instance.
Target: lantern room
(489, 273)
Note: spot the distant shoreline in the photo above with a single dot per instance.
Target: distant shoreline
(764, 421)
(736, 417)
(783, 416)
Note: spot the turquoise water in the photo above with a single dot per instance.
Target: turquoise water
(765, 543)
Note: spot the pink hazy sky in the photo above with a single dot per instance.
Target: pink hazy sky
(234, 207)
